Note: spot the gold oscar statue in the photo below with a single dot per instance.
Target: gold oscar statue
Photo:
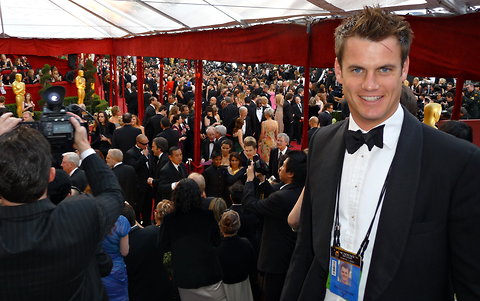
(18, 88)
(432, 114)
(80, 82)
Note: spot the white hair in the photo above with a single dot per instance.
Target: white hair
(72, 157)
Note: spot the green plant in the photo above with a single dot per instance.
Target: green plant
(102, 106)
(45, 79)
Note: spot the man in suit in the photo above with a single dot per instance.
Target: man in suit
(278, 154)
(153, 126)
(125, 174)
(297, 115)
(257, 117)
(160, 153)
(125, 137)
(47, 252)
(168, 133)
(70, 164)
(325, 117)
(314, 126)
(209, 143)
(287, 114)
(172, 172)
(391, 173)
(138, 157)
(278, 239)
(230, 112)
(213, 175)
(131, 99)
(150, 110)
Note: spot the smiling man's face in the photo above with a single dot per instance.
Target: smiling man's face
(372, 77)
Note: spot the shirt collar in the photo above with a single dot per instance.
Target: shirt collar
(391, 132)
(117, 164)
(71, 173)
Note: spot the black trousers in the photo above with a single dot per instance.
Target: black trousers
(272, 286)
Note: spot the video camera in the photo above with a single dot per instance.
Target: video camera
(55, 122)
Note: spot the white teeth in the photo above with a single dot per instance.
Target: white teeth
(371, 98)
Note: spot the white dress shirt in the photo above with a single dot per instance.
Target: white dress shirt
(363, 175)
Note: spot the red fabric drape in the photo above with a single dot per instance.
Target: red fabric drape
(443, 46)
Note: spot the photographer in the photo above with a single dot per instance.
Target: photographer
(278, 239)
(47, 251)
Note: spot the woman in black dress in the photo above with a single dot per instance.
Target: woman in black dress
(102, 133)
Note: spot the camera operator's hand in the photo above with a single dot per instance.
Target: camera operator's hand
(81, 138)
(251, 172)
(8, 122)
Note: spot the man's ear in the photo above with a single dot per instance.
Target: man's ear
(338, 71)
(405, 67)
(51, 174)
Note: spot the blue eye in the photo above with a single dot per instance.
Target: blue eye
(385, 69)
(357, 70)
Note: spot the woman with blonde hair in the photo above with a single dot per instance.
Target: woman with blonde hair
(116, 117)
(279, 99)
(268, 135)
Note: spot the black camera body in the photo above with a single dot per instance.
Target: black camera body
(55, 121)
(261, 167)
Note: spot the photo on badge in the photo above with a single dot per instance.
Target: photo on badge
(344, 279)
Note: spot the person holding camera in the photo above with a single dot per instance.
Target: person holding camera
(47, 252)
(278, 239)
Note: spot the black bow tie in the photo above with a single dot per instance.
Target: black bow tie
(355, 139)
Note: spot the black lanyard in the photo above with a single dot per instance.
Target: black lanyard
(336, 232)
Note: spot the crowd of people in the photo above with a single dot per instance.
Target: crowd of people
(126, 207)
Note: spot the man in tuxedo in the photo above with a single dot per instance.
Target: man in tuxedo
(125, 137)
(150, 110)
(288, 115)
(257, 118)
(382, 184)
(278, 154)
(209, 143)
(125, 174)
(325, 117)
(213, 175)
(278, 239)
(172, 172)
(70, 164)
(168, 133)
(131, 99)
(153, 127)
(160, 153)
(314, 126)
(47, 251)
(297, 114)
(230, 112)
(138, 157)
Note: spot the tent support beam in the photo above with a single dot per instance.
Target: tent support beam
(146, 5)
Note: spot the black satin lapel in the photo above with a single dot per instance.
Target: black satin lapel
(397, 209)
(325, 167)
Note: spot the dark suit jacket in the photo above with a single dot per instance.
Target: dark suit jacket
(192, 238)
(79, 179)
(126, 177)
(168, 175)
(273, 163)
(205, 148)
(171, 135)
(214, 185)
(153, 127)
(417, 214)
(132, 101)
(125, 137)
(147, 277)
(325, 118)
(229, 113)
(141, 164)
(149, 113)
(47, 252)
(287, 112)
(158, 164)
(278, 239)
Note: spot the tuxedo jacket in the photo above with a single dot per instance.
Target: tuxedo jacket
(125, 137)
(171, 135)
(47, 251)
(79, 179)
(428, 224)
(278, 239)
(158, 164)
(229, 113)
(149, 113)
(168, 175)
(214, 184)
(297, 114)
(141, 164)
(274, 162)
(126, 178)
(205, 148)
(153, 127)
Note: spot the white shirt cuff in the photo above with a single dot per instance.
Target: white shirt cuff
(174, 185)
(86, 153)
